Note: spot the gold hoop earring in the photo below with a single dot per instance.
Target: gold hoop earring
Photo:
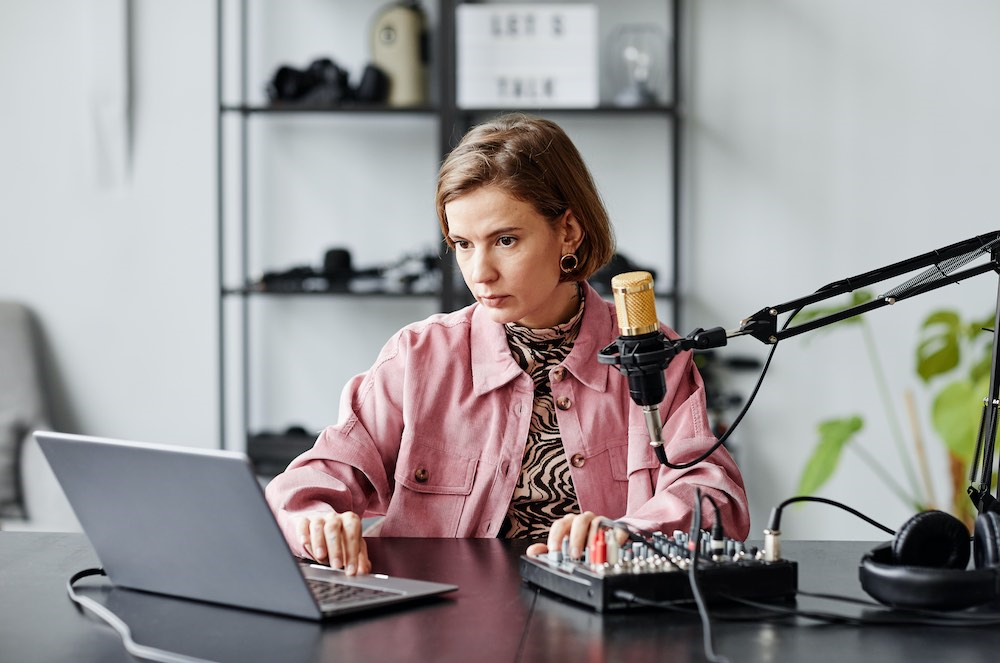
(568, 263)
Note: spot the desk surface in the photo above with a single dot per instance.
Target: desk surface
(492, 617)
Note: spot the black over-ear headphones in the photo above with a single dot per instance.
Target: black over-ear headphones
(924, 566)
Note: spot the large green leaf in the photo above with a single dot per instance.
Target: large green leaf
(834, 434)
(955, 415)
(938, 350)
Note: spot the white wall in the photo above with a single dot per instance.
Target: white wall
(120, 277)
(823, 139)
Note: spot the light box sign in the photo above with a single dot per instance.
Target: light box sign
(527, 55)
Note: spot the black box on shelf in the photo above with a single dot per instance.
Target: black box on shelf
(271, 452)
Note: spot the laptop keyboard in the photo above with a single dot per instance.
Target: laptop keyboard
(328, 593)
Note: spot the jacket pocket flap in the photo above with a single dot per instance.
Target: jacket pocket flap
(426, 469)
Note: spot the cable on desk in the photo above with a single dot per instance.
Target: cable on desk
(527, 622)
(706, 619)
(959, 618)
(116, 623)
(683, 606)
(884, 617)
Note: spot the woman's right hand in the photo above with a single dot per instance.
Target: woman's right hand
(579, 529)
(334, 539)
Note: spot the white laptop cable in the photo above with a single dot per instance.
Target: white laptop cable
(115, 622)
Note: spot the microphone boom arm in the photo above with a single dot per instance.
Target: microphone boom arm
(941, 265)
(763, 325)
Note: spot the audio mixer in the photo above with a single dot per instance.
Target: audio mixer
(656, 568)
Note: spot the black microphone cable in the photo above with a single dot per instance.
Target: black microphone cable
(661, 451)
(681, 605)
(774, 521)
(694, 539)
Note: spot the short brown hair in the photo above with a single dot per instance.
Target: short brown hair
(533, 160)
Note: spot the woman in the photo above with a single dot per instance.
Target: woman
(497, 419)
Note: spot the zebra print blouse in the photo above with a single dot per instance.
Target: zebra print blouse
(544, 490)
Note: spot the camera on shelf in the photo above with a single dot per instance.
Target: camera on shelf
(324, 83)
(412, 274)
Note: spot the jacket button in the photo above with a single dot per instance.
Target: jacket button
(578, 460)
(421, 475)
(558, 373)
(563, 403)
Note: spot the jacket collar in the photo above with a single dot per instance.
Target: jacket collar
(493, 366)
(596, 331)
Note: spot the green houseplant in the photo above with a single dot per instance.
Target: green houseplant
(952, 362)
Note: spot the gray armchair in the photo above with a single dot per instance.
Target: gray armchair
(30, 498)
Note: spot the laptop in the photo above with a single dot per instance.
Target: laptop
(193, 523)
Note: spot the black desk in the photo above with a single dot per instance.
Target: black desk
(492, 617)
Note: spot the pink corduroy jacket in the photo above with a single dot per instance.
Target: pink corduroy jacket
(432, 437)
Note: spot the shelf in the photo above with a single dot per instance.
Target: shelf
(347, 108)
(375, 109)
(658, 110)
(252, 292)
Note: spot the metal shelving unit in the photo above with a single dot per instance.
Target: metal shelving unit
(451, 122)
